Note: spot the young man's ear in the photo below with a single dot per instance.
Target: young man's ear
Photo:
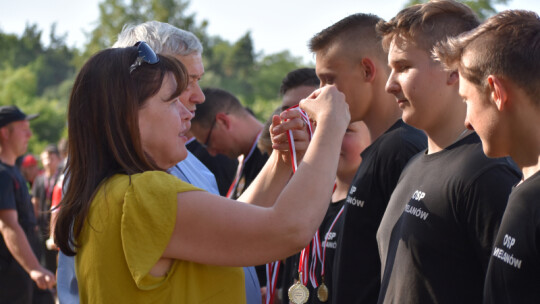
(223, 119)
(498, 92)
(453, 78)
(369, 69)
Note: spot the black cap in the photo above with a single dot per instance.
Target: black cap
(9, 114)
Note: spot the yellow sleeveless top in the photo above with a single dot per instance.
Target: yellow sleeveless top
(128, 227)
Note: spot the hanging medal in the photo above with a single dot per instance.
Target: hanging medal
(322, 290)
(297, 291)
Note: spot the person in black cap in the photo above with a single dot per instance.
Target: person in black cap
(19, 265)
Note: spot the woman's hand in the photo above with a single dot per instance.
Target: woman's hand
(326, 106)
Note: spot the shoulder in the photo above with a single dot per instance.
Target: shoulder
(401, 141)
(470, 159)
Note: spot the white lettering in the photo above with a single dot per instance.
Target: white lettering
(507, 258)
(509, 241)
(418, 195)
(355, 202)
(329, 245)
(330, 235)
(353, 190)
(416, 212)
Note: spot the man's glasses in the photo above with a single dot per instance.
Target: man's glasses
(207, 141)
(146, 54)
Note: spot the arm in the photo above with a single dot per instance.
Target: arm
(213, 230)
(18, 245)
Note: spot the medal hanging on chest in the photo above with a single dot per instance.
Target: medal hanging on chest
(322, 290)
(298, 292)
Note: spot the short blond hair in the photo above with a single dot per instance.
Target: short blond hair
(506, 45)
(428, 23)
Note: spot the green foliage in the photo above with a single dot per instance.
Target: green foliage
(484, 8)
(39, 78)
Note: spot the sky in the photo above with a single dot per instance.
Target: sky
(275, 25)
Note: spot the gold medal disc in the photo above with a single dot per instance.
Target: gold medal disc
(298, 293)
(322, 293)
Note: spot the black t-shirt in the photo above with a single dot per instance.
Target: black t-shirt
(223, 167)
(356, 274)
(437, 233)
(514, 268)
(252, 167)
(15, 284)
(331, 236)
(42, 190)
(14, 194)
(289, 270)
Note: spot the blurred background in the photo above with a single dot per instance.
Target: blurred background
(249, 46)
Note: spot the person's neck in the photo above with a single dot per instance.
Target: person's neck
(50, 172)
(525, 150)
(384, 112)
(7, 157)
(441, 139)
(444, 131)
(251, 129)
(342, 189)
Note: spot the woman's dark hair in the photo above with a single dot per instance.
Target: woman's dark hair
(103, 129)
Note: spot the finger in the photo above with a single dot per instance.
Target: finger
(293, 124)
(300, 136)
(50, 280)
(41, 284)
(290, 114)
(280, 139)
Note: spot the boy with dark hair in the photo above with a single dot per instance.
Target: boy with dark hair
(499, 69)
(438, 230)
(349, 55)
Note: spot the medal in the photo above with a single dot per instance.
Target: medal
(298, 293)
(322, 292)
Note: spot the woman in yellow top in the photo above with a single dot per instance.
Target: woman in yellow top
(141, 235)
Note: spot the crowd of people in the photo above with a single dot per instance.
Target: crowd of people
(403, 168)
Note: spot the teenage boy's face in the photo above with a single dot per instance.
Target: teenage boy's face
(418, 83)
(335, 66)
(482, 116)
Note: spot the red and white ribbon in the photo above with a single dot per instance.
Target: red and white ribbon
(272, 269)
(242, 160)
(316, 252)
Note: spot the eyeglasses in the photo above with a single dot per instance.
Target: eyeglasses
(207, 141)
(146, 54)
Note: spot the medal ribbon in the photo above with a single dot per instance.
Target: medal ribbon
(272, 269)
(241, 164)
(326, 239)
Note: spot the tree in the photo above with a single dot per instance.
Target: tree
(114, 14)
(484, 8)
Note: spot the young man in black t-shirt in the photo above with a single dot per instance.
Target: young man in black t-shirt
(19, 242)
(349, 55)
(438, 230)
(499, 66)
